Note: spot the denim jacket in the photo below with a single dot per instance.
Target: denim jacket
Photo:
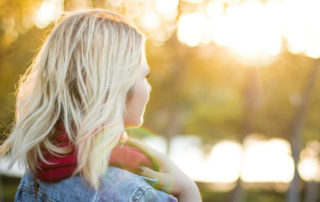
(116, 185)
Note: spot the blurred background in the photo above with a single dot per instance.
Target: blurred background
(235, 96)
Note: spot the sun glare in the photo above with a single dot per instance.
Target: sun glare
(259, 160)
(309, 166)
(190, 28)
(224, 162)
(49, 11)
(217, 22)
(302, 31)
(267, 161)
(186, 152)
(167, 7)
(150, 21)
(247, 28)
(310, 169)
(156, 143)
(254, 29)
(192, 1)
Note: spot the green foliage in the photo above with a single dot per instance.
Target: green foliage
(207, 92)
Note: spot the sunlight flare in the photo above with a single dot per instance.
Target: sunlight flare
(49, 11)
(267, 161)
(224, 162)
(309, 165)
(167, 7)
(186, 152)
(191, 28)
(150, 21)
(247, 28)
(302, 31)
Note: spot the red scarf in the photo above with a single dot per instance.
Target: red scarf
(122, 156)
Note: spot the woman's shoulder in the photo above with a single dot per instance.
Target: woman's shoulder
(117, 185)
(134, 187)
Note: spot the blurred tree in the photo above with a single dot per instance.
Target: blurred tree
(297, 130)
(252, 100)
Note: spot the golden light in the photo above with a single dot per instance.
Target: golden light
(186, 152)
(10, 33)
(310, 169)
(224, 162)
(150, 21)
(309, 165)
(156, 143)
(302, 31)
(192, 1)
(157, 18)
(49, 11)
(222, 165)
(267, 161)
(253, 29)
(168, 8)
(191, 28)
(247, 28)
(133, 9)
(27, 23)
(217, 22)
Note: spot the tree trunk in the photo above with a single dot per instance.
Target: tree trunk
(177, 72)
(174, 128)
(252, 101)
(297, 129)
(1, 193)
(312, 192)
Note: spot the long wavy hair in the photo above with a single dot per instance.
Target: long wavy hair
(81, 78)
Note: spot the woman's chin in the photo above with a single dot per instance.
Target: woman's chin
(134, 124)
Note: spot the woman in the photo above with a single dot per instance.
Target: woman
(87, 83)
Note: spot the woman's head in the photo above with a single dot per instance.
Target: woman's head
(88, 76)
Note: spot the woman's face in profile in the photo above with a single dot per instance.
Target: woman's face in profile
(136, 104)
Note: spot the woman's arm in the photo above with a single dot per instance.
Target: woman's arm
(171, 179)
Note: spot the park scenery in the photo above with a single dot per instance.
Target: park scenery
(235, 99)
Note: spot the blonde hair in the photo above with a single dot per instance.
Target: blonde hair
(80, 77)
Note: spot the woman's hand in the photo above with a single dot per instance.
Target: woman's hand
(171, 179)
